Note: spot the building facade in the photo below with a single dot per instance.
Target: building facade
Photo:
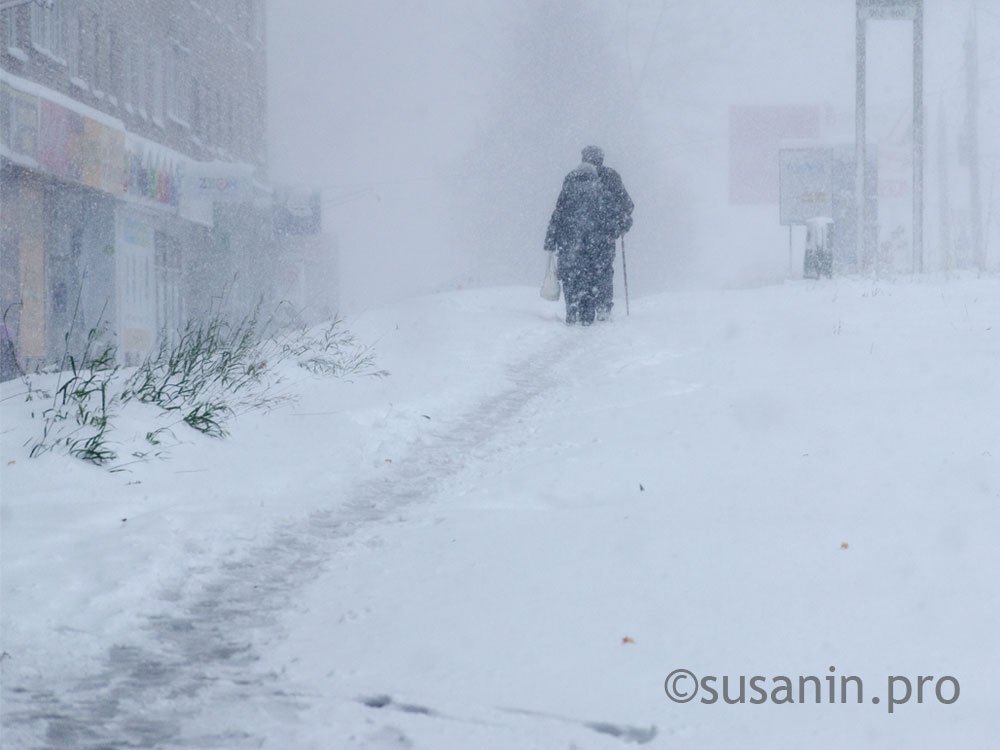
(133, 169)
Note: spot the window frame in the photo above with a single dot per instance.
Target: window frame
(155, 85)
(48, 30)
(10, 36)
(178, 84)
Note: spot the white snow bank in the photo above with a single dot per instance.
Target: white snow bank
(761, 482)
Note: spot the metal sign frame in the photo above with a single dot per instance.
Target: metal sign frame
(891, 10)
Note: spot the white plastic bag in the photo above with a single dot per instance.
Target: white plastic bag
(550, 285)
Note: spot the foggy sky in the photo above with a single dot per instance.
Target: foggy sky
(440, 130)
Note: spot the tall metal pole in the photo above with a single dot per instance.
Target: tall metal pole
(790, 267)
(859, 134)
(625, 275)
(918, 138)
(944, 203)
(972, 140)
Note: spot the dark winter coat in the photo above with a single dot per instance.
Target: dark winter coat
(592, 211)
(618, 205)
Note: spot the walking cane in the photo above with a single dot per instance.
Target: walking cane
(625, 274)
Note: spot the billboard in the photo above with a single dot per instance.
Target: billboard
(805, 184)
(820, 181)
(888, 10)
(755, 137)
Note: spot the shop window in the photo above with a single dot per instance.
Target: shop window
(59, 297)
(10, 281)
(76, 244)
(169, 301)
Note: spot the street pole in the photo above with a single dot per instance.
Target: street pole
(625, 275)
(790, 266)
(944, 205)
(918, 138)
(972, 142)
(889, 10)
(860, 53)
(989, 218)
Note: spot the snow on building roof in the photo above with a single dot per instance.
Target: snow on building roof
(44, 92)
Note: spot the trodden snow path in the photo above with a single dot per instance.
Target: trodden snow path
(146, 692)
(763, 482)
(199, 645)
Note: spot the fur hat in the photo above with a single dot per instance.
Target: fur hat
(593, 155)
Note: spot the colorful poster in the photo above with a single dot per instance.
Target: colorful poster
(61, 141)
(103, 165)
(80, 149)
(151, 176)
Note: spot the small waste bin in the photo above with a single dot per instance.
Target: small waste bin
(819, 248)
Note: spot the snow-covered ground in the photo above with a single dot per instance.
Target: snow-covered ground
(512, 540)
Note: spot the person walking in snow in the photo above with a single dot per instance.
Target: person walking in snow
(592, 211)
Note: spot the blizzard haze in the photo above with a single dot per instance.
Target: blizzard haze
(446, 519)
(440, 131)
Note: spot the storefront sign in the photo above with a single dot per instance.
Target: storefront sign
(102, 151)
(59, 140)
(77, 148)
(219, 182)
(151, 176)
(297, 211)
